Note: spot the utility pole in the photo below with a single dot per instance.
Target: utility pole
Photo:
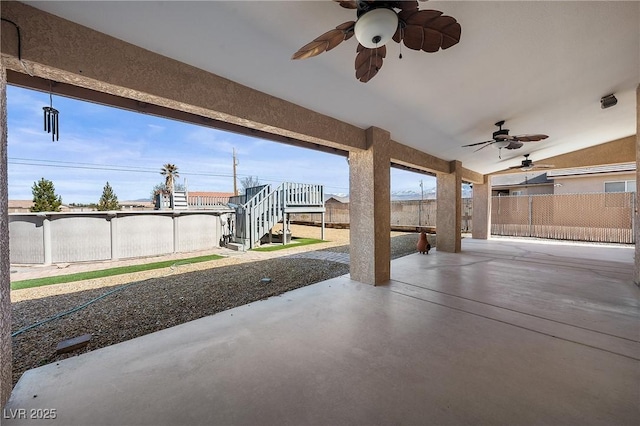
(235, 177)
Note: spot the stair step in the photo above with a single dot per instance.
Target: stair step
(235, 246)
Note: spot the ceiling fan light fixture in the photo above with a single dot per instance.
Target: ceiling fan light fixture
(502, 144)
(376, 27)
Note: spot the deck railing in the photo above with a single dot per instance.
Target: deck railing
(199, 202)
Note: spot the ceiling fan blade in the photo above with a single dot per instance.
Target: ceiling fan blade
(543, 166)
(449, 29)
(429, 30)
(347, 4)
(514, 144)
(483, 147)
(530, 138)
(413, 37)
(479, 143)
(326, 41)
(432, 40)
(420, 18)
(368, 62)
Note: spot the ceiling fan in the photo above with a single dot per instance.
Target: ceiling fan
(501, 139)
(377, 23)
(527, 165)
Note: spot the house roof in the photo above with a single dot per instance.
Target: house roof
(210, 194)
(20, 204)
(337, 198)
(609, 168)
(532, 178)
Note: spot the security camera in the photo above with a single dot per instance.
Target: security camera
(608, 101)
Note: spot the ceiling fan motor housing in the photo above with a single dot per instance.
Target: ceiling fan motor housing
(502, 133)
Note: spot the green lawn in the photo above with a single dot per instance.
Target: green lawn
(37, 282)
(296, 242)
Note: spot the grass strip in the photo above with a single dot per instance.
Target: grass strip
(80, 276)
(298, 242)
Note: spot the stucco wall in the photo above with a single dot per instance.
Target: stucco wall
(588, 184)
(5, 267)
(101, 236)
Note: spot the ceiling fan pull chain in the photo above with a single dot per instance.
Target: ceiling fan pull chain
(400, 43)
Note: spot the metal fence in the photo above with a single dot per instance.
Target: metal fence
(601, 217)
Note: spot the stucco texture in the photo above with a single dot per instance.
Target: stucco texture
(5, 280)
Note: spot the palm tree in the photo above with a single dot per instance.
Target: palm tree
(170, 171)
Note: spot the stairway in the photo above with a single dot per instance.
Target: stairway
(266, 208)
(180, 200)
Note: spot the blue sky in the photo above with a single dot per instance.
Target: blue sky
(99, 144)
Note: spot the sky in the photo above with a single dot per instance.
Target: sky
(100, 144)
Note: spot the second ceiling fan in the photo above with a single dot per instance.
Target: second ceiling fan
(527, 165)
(502, 139)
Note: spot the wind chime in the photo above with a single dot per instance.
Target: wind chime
(51, 118)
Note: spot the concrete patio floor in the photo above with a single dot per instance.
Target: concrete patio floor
(506, 332)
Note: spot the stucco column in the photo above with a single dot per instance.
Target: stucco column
(636, 226)
(5, 280)
(449, 213)
(482, 210)
(370, 210)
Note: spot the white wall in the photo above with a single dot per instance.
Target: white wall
(587, 184)
(37, 238)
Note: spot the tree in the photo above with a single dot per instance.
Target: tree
(249, 182)
(44, 197)
(108, 200)
(170, 172)
(162, 187)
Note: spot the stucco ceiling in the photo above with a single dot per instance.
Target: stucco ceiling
(541, 66)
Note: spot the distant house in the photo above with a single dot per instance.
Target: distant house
(20, 206)
(581, 180)
(136, 205)
(335, 199)
(529, 183)
(24, 206)
(574, 180)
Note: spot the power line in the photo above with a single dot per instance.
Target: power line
(19, 161)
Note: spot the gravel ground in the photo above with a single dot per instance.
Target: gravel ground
(164, 298)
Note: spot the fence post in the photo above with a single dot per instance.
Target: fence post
(632, 207)
(530, 215)
(46, 238)
(113, 228)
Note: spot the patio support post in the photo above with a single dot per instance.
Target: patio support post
(370, 210)
(449, 213)
(636, 225)
(481, 227)
(5, 263)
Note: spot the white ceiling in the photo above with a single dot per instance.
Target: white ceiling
(541, 66)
